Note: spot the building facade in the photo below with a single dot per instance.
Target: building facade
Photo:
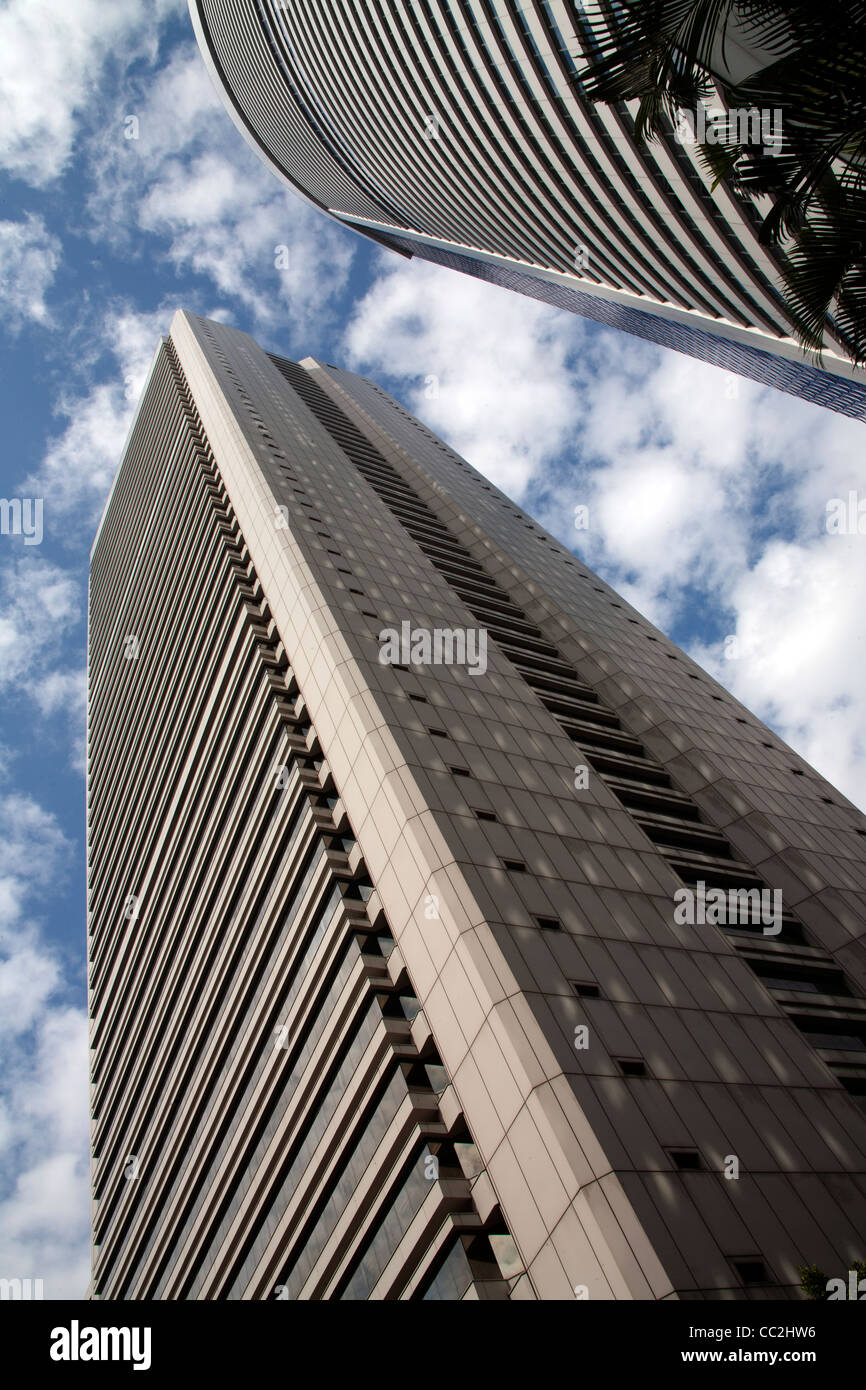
(404, 976)
(457, 131)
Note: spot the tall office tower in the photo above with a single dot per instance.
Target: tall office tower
(404, 831)
(456, 130)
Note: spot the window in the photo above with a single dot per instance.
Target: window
(631, 1066)
(687, 1160)
(585, 990)
(835, 1042)
(751, 1271)
(802, 978)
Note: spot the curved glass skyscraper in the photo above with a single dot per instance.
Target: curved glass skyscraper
(455, 130)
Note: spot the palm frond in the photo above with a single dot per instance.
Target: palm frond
(662, 54)
(825, 276)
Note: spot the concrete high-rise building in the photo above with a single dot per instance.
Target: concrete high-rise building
(451, 933)
(457, 131)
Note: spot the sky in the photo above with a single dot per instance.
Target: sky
(128, 193)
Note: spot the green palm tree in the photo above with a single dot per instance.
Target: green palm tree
(804, 59)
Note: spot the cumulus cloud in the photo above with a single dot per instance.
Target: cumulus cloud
(39, 600)
(54, 53)
(493, 372)
(189, 183)
(64, 692)
(40, 605)
(725, 527)
(29, 257)
(44, 1162)
(33, 848)
(80, 462)
(798, 658)
(43, 1084)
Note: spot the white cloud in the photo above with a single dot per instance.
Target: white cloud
(712, 505)
(79, 464)
(44, 1161)
(43, 1082)
(230, 220)
(53, 54)
(190, 180)
(29, 257)
(28, 978)
(801, 651)
(33, 848)
(64, 692)
(39, 604)
(504, 378)
(39, 600)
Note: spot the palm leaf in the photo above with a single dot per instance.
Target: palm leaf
(661, 53)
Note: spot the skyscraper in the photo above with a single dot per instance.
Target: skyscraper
(451, 933)
(456, 130)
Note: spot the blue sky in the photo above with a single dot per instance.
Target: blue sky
(707, 495)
